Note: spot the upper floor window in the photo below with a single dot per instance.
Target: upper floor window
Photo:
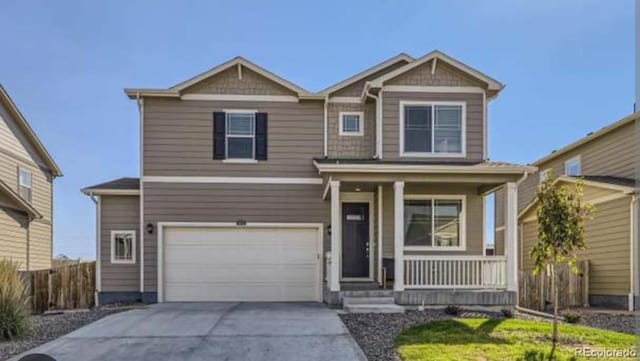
(544, 175)
(432, 129)
(351, 123)
(573, 166)
(123, 247)
(240, 135)
(24, 184)
(434, 222)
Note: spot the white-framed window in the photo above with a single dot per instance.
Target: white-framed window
(432, 129)
(351, 123)
(123, 247)
(241, 132)
(573, 166)
(435, 222)
(544, 175)
(24, 184)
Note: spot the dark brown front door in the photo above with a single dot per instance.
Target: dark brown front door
(355, 240)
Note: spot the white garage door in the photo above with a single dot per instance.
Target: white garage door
(241, 264)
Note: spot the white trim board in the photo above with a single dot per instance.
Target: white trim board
(345, 100)
(432, 89)
(241, 98)
(462, 221)
(232, 180)
(113, 192)
(341, 131)
(113, 246)
(160, 244)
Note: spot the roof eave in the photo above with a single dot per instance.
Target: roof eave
(24, 205)
(113, 192)
(424, 169)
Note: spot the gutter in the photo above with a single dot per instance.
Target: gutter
(96, 201)
(378, 99)
(633, 264)
(326, 125)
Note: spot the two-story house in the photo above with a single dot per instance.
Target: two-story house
(27, 172)
(606, 162)
(254, 189)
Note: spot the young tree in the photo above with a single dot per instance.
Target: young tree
(561, 216)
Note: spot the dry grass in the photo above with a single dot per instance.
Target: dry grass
(14, 315)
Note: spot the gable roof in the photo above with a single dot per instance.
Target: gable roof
(492, 84)
(123, 186)
(614, 184)
(365, 73)
(175, 90)
(591, 136)
(15, 197)
(28, 131)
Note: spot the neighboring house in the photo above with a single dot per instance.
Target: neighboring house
(26, 191)
(253, 189)
(605, 160)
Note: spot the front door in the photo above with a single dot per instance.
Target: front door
(355, 240)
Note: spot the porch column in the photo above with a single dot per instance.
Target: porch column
(511, 235)
(398, 235)
(336, 233)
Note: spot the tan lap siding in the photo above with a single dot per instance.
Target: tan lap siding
(391, 122)
(13, 236)
(39, 245)
(178, 139)
(120, 213)
(273, 203)
(607, 239)
(474, 218)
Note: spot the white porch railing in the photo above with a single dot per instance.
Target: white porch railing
(454, 272)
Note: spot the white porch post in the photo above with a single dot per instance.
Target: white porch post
(336, 233)
(398, 235)
(511, 235)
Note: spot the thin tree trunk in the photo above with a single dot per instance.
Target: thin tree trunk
(554, 290)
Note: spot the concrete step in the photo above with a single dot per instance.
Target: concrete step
(368, 300)
(373, 308)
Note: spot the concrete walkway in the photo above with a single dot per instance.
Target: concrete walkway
(211, 331)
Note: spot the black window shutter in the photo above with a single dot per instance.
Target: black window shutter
(261, 136)
(219, 135)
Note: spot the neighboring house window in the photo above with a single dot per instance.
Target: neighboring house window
(240, 135)
(573, 167)
(544, 175)
(24, 184)
(432, 129)
(123, 247)
(351, 123)
(434, 222)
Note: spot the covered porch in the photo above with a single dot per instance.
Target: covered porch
(416, 232)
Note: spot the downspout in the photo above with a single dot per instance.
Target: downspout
(326, 125)
(140, 102)
(378, 100)
(633, 266)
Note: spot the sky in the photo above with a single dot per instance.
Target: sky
(568, 66)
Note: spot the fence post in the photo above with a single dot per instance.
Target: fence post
(585, 283)
(542, 276)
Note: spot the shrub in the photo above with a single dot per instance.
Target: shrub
(452, 310)
(14, 316)
(572, 317)
(507, 313)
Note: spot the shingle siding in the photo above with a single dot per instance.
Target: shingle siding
(228, 82)
(355, 147)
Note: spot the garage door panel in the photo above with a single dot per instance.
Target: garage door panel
(241, 264)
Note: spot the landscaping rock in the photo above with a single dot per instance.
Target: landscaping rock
(51, 325)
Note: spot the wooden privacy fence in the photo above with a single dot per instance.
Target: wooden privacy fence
(66, 287)
(573, 289)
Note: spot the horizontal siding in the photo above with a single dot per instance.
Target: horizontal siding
(40, 252)
(175, 202)
(178, 139)
(119, 213)
(474, 219)
(13, 236)
(607, 239)
(391, 122)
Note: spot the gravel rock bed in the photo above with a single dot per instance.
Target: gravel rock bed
(613, 322)
(48, 327)
(375, 332)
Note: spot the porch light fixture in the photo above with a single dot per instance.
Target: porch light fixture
(357, 189)
(150, 228)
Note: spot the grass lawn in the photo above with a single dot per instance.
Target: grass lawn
(507, 339)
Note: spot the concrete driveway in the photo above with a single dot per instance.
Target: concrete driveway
(211, 331)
